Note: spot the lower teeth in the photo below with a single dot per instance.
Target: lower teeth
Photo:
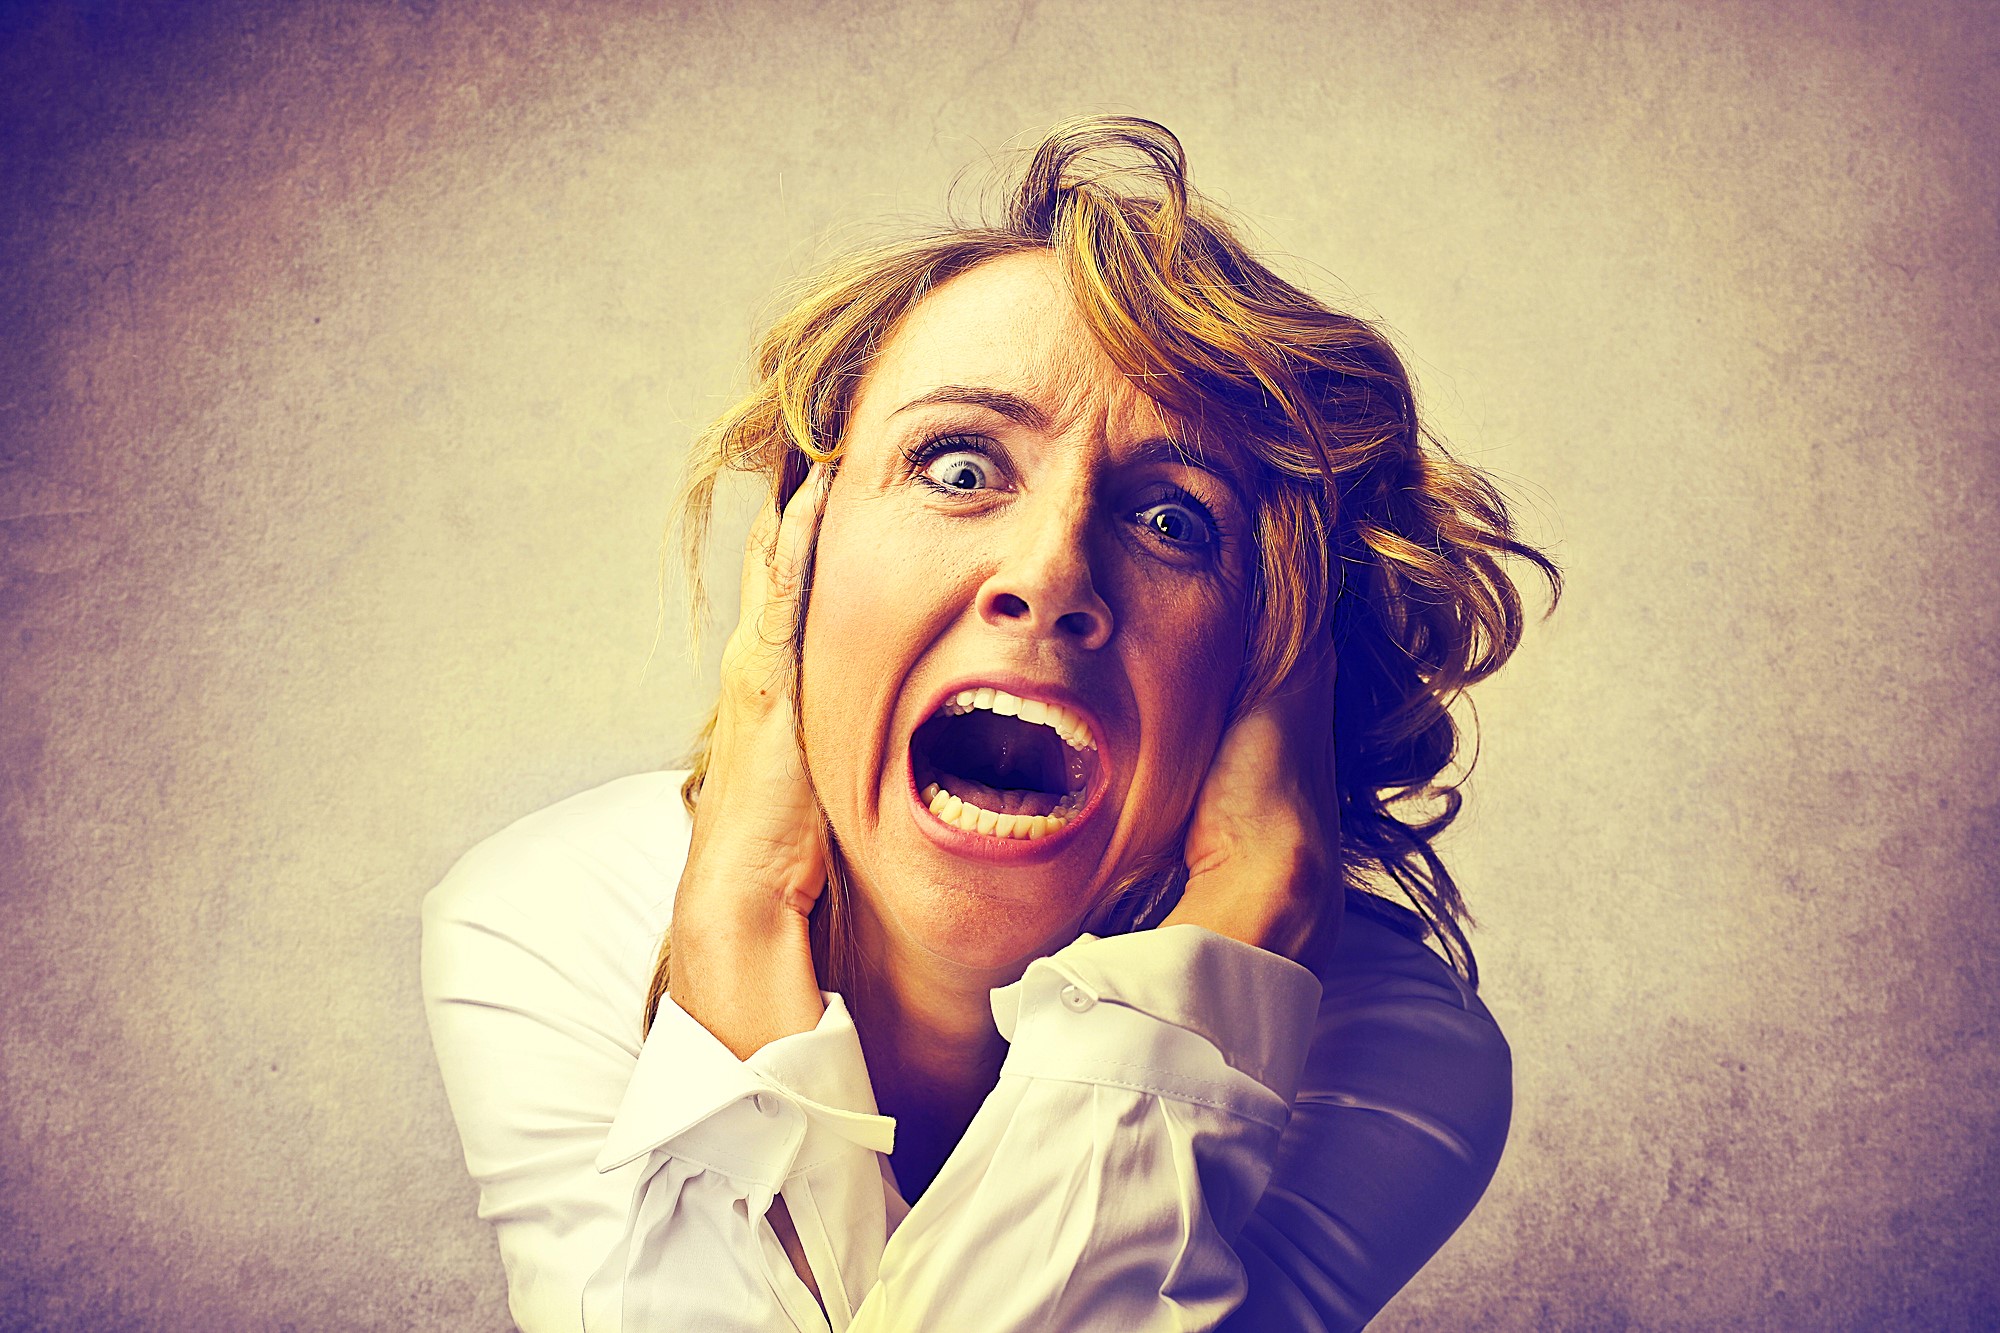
(965, 815)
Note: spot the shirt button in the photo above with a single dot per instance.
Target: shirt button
(766, 1103)
(1076, 998)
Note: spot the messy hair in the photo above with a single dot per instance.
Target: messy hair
(1366, 528)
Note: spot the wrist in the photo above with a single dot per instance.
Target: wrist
(1275, 898)
(747, 986)
(751, 881)
(1272, 860)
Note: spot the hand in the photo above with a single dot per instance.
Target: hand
(740, 956)
(1263, 844)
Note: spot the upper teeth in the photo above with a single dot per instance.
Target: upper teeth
(1054, 716)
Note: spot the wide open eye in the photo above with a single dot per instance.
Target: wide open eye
(956, 465)
(1180, 522)
(959, 472)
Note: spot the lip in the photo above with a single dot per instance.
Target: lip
(1010, 851)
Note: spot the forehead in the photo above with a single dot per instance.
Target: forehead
(1008, 325)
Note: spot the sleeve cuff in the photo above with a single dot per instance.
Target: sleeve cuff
(807, 1095)
(1255, 1008)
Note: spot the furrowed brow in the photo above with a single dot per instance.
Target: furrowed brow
(1159, 449)
(1163, 449)
(1012, 406)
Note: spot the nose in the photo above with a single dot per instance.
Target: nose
(1044, 584)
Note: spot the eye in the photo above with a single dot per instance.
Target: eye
(960, 471)
(1180, 520)
(956, 465)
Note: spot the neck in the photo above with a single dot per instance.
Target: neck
(926, 1023)
(926, 1028)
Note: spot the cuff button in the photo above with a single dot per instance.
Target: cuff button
(1076, 998)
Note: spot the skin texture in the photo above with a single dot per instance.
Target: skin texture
(1052, 557)
(1043, 567)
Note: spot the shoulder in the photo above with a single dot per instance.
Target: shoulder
(537, 948)
(1400, 1033)
(1400, 1119)
(585, 887)
(625, 842)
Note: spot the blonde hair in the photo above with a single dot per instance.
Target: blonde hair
(1366, 528)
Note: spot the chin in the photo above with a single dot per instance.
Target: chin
(991, 947)
(991, 928)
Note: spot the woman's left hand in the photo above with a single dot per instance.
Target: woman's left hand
(1263, 845)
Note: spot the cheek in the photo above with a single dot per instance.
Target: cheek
(866, 621)
(852, 590)
(1192, 659)
(885, 581)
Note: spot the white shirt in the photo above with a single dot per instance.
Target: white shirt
(1187, 1133)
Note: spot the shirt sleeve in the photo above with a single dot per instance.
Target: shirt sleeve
(628, 1179)
(1103, 1183)
(1192, 1133)
(1120, 1175)
(1398, 1125)
(716, 1139)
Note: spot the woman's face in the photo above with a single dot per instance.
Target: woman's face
(1008, 519)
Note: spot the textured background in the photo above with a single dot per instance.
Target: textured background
(349, 352)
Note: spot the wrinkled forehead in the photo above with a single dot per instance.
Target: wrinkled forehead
(1007, 326)
(1008, 335)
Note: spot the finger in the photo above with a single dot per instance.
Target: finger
(1306, 702)
(786, 557)
(796, 526)
(767, 535)
(754, 589)
(1311, 681)
(1315, 665)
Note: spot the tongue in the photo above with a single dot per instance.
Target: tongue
(1000, 800)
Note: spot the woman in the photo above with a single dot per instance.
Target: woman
(1020, 960)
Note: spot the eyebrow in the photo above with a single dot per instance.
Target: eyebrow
(1158, 449)
(1012, 406)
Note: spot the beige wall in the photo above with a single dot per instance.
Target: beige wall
(349, 351)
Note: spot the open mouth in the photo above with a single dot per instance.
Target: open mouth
(990, 762)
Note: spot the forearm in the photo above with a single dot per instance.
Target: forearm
(750, 983)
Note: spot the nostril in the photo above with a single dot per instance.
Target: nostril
(1088, 625)
(1079, 623)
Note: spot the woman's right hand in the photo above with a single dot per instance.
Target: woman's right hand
(740, 958)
